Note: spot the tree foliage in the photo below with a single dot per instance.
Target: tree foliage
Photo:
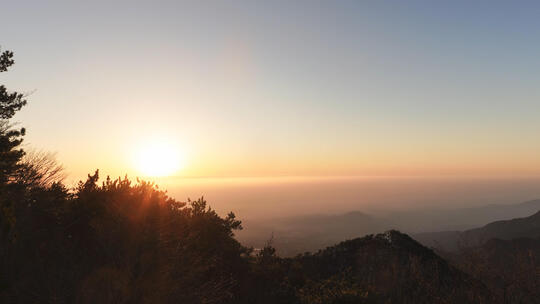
(121, 242)
(10, 102)
(10, 151)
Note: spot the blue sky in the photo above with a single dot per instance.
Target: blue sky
(252, 88)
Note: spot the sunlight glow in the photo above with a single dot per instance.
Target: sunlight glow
(159, 159)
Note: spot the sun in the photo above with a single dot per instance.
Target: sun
(158, 159)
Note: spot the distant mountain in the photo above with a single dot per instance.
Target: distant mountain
(298, 234)
(386, 268)
(528, 227)
(422, 220)
(506, 230)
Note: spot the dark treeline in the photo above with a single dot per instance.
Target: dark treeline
(118, 241)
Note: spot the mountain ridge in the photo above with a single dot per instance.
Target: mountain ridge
(389, 267)
(528, 227)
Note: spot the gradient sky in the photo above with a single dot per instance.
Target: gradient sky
(282, 88)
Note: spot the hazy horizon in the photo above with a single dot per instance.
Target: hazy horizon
(265, 198)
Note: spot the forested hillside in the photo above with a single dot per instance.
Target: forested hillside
(510, 268)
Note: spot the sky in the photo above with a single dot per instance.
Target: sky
(281, 88)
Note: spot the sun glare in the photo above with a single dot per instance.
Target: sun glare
(158, 159)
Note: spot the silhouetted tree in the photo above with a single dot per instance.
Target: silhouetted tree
(120, 242)
(39, 169)
(10, 141)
